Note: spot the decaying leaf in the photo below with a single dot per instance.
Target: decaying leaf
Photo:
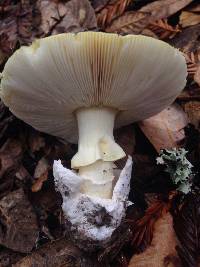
(5, 119)
(187, 228)
(10, 156)
(192, 108)
(99, 4)
(2, 56)
(162, 252)
(197, 74)
(150, 33)
(130, 22)
(162, 9)
(188, 39)
(72, 16)
(189, 18)
(165, 130)
(60, 253)
(8, 257)
(18, 24)
(112, 10)
(163, 30)
(137, 21)
(18, 228)
(36, 141)
(41, 174)
(193, 65)
(144, 227)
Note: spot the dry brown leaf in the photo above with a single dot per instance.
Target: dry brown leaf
(112, 10)
(99, 4)
(10, 156)
(164, 8)
(2, 56)
(165, 130)
(193, 65)
(197, 75)
(163, 30)
(130, 22)
(195, 8)
(136, 21)
(40, 174)
(188, 39)
(192, 108)
(186, 217)
(19, 229)
(36, 141)
(162, 252)
(143, 228)
(60, 253)
(62, 17)
(189, 18)
(150, 33)
(17, 24)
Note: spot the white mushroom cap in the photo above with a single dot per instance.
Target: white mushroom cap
(45, 84)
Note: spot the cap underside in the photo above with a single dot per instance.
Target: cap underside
(44, 84)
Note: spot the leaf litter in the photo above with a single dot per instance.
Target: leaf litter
(162, 228)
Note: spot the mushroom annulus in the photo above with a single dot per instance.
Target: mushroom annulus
(79, 87)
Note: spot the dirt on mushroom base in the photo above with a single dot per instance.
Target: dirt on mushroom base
(148, 176)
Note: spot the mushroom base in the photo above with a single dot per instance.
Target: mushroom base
(92, 219)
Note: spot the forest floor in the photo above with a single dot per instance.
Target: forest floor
(162, 228)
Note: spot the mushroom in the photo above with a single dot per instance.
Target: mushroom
(79, 87)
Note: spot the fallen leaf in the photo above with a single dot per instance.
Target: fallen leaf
(5, 119)
(60, 253)
(165, 130)
(150, 33)
(164, 8)
(192, 94)
(144, 227)
(99, 4)
(130, 22)
(17, 24)
(18, 229)
(197, 75)
(187, 228)
(112, 10)
(193, 65)
(136, 21)
(162, 251)
(163, 30)
(187, 40)
(36, 141)
(192, 108)
(73, 16)
(41, 174)
(189, 19)
(8, 25)
(10, 156)
(2, 57)
(22, 174)
(194, 8)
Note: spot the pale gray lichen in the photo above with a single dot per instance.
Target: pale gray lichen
(178, 167)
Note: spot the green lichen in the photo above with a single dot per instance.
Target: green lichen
(178, 167)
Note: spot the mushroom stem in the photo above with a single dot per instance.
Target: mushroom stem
(97, 150)
(98, 179)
